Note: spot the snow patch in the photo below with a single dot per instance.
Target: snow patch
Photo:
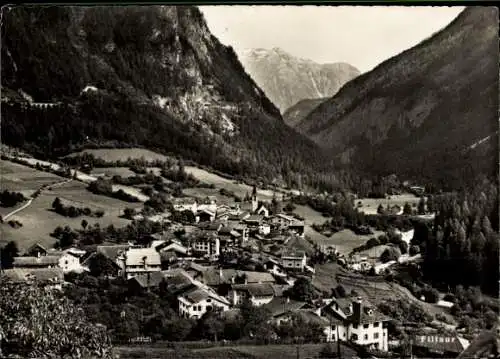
(227, 124)
(26, 96)
(316, 87)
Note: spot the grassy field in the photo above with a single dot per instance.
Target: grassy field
(19, 178)
(122, 154)
(112, 171)
(230, 352)
(39, 221)
(310, 215)
(239, 189)
(370, 205)
(345, 241)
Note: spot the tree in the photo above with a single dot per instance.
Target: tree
(37, 322)
(421, 206)
(407, 209)
(302, 290)
(414, 250)
(7, 255)
(56, 204)
(128, 213)
(100, 265)
(84, 224)
(390, 254)
(380, 209)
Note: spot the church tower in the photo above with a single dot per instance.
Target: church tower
(255, 202)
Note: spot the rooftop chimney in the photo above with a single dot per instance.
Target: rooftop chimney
(357, 309)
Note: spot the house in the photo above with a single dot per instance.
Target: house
(50, 277)
(307, 316)
(264, 229)
(282, 220)
(207, 245)
(172, 246)
(36, 250)
(215, 277)
(263, 211)
(111, 253)
(439, 345)
(258, 293)
(294, 260)
(146, 281)
(485, 345)
(205, 215)
(254, 221)
(356, 321)
(67, 261)
(185, 204)
(281, 305)
(195, 302)
(297, 227)
(136, 261)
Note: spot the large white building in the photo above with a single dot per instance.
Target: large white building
(207, 245)
(356, 321)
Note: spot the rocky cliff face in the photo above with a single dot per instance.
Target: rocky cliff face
(419, 112)
(139, 75)
(287, 80)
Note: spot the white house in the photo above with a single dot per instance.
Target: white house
(258, 293)
(186, 204)
(136, 261)
(358, 322)
(294, 260)
(207, 245)
(264, 229)
(283, 220)
(197, 301)
(67, 261)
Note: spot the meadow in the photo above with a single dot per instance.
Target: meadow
(38, 221)
(123, 154)
(370, 205)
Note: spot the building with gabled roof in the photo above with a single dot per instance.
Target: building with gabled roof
(357, 321)
(294, 260)
(258, 293)
(136, 261)
(195, 302)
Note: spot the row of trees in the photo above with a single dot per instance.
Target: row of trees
(461, 246)
(72, 211)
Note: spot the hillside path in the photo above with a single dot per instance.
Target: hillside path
(27, 204)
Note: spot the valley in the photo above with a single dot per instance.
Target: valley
(163, 193)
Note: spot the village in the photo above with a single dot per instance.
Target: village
(216, 257)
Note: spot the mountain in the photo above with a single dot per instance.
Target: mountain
(420, 113)
(287, 79)
(295, 114)
(150, 76)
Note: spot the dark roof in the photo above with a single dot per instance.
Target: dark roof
(441, 343)
(36, 261)
(255, 289)
(154, 280)
(487, 342)
(308, 316)
(113, 251)
(196, 295)
(289, 253)
(254, 218)
(38, 274)
(368, 314)
(280, 305)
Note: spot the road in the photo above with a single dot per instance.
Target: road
(27, 204)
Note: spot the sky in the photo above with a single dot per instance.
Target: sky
(362, 36)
